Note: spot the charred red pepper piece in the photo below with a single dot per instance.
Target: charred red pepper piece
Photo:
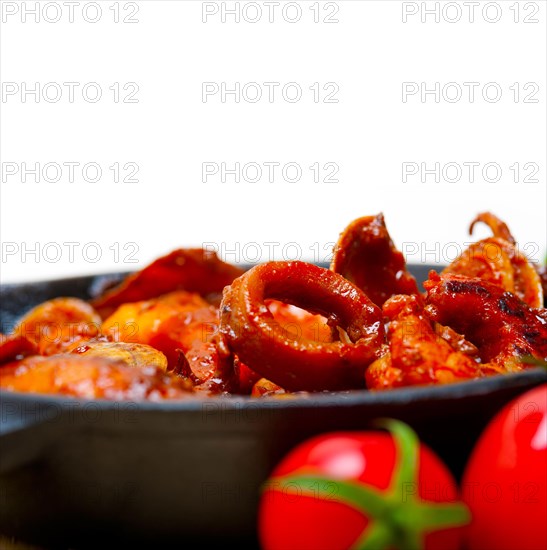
(15, 346)
(193, 270)
(501, 325)
(366, 256)
(296, 363)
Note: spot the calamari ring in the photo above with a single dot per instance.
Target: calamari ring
(294, 363)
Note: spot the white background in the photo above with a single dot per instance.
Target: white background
(168, 49)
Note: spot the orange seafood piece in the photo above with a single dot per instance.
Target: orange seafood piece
(92, 378)
(265, 388)
(132, 355)
(176, 322)
(55, 325)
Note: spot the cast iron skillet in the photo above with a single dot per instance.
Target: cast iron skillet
(85, 474)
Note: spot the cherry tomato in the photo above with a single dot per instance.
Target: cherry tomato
(505, 479)
(361, 490)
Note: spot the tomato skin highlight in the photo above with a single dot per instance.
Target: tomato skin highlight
(505, 480)
(290, 520)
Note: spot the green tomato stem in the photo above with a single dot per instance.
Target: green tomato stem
(398, 518)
